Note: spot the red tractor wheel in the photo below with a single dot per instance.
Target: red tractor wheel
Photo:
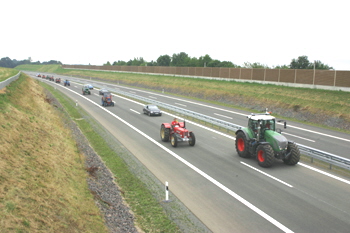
(173, 140)
(192, 140)
(265, 155)
(164, 133)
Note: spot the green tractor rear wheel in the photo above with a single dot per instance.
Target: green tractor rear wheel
(265, 155)
(242, 145)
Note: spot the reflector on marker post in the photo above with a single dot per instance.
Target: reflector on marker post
(166, 191)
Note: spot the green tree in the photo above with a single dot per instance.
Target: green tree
(180, 59)
(203, 61)
(255, 65)
(107, 64)
(301, 63)
(281, 67)
(228, 64)
(164, 60)
(214, 63)
(318, 65)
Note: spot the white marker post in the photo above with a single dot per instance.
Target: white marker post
(166, 191)
(76, 102)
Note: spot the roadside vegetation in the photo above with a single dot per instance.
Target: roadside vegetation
(323, 108)
(6, 73)
(42, 175)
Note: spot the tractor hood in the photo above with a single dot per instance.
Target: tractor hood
(276, 140)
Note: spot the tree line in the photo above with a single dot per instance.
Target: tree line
(9, 63)
(182, 59)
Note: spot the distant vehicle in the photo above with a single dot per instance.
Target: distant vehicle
(58, 80)
(106, 99)
(90, 86)
(151, 109)
(66, 83)
(103, 90)
(38, 75)
(86, 90)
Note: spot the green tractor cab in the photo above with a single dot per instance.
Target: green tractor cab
(86, 90)
(262, 140)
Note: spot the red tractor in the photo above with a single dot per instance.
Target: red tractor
(106, 99)
(176, 133)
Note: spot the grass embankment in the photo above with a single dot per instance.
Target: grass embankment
(42, 176)
(42, 173)
(6, 73)
(321, 107)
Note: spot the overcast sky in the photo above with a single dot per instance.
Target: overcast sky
(271, 32)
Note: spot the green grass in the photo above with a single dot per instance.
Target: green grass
(42, 174)
(6, 73)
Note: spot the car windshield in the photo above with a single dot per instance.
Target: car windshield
(106, 94)
(152, 107)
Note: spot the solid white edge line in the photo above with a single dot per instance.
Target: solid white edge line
(292, 135)
(325, 173)
(268, 175)
(209, 178)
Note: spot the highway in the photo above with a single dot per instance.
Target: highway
(228, 193)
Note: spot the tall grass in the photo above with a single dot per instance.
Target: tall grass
(42, 175)
(6, 73)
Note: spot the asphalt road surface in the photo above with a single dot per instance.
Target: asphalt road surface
(228, 193)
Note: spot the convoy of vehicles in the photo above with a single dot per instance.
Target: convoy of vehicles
(260, 139)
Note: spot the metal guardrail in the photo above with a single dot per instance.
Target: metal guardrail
(305, 150)
(5, 83)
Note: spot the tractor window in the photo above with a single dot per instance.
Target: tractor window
(252, 124)
(269, 124)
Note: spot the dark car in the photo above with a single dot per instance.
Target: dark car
(151, 109)
(103, 90)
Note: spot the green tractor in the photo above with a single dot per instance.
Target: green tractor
(86, 90)
(261, 140)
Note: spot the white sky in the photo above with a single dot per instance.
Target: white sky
(271, 32)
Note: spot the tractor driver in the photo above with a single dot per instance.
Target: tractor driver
(174, 123)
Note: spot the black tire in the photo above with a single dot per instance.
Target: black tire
(164, 133)
(173, 140)
(192, 140)
(294, 154)
(112, 104)
(242, 146)
(265, 155)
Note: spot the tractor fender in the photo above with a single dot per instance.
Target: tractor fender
(243, 131)
(167, 125)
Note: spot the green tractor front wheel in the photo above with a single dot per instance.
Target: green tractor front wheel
(293, 154)
(265, 155)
